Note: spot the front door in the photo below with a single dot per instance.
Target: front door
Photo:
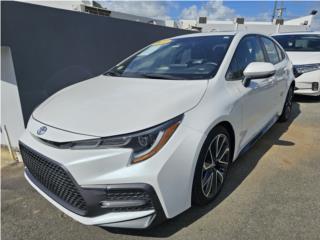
(256, 99)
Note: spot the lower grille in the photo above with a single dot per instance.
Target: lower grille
(127, 195)
(53, 178)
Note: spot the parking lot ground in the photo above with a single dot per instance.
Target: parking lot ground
(272, 192)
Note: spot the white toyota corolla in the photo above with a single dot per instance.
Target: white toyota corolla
(304, 51)
(158, 132)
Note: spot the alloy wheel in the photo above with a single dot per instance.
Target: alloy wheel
(215, 165)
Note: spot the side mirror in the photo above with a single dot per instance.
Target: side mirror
(257, 70)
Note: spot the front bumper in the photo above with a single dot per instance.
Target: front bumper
(167, 176)
(133, 219)
(305, 83)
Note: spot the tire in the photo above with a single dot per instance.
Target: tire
(212, 166)
(287, 108)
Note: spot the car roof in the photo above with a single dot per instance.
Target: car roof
(239, 33)
(296, 33)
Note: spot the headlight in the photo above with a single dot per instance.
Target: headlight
(300, 69)
(144, 144)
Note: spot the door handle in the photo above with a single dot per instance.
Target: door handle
(271, 79)
(268, 81)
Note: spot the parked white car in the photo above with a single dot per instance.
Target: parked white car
(304, 52)
(158, 132)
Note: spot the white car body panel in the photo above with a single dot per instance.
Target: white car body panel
(108, 106)
(304, 81)
(112, 166)
(100, 220)
(98, 104)
(301, 58)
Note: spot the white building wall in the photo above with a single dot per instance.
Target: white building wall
(170, 23)
(135, 18)
(254, 27)
(293, 25)
(73, 5)
(11, 113)
(186, 24)
(307, 20)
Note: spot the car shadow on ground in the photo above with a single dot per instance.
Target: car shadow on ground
(239, 170)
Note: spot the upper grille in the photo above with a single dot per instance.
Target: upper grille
(53, 177)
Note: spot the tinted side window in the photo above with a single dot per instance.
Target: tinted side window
(279, 53)
(271, 50)
(299, 42)
(249, 50)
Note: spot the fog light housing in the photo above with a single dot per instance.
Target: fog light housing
(114, 204)
(315, 86)
(127, 199)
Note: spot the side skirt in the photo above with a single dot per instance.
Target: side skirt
(259, 135)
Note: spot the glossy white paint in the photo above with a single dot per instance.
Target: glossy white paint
(304, 81)
(258, 70)
(100, 220)
(106, 106)
(301, 58)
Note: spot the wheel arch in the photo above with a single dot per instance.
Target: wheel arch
(230, 130)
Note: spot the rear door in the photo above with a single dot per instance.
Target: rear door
(277, 58)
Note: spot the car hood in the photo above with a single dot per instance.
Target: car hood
(299, 58)
(107, 106)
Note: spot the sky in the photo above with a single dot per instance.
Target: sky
(218, 10)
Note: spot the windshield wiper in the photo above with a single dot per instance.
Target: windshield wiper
(160, 76)
(145, 75)
(111, 73)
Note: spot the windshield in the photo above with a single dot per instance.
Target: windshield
(300, 43)
(182, 58)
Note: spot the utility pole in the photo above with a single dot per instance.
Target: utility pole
(281, 10)
(274, 10)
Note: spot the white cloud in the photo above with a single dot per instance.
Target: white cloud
(211, 9)
(214, 9)
(264, 16)
(152, 9)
